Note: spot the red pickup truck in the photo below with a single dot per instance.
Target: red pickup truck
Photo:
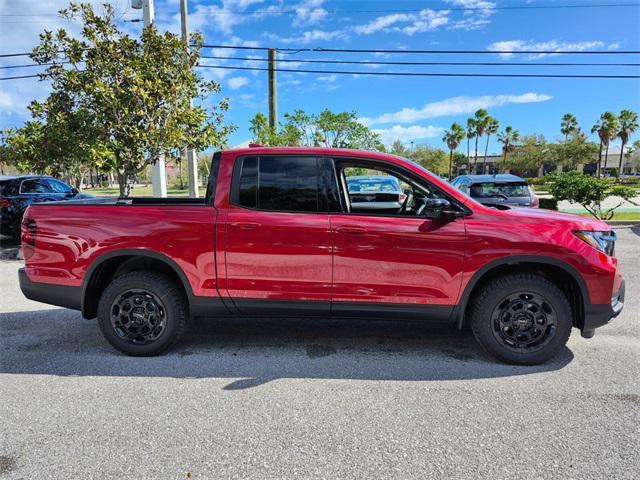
(278, 234)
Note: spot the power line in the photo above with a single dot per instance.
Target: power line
(444, 52)
(384, 11)
(396, 74)
(367, 62)
(32, 65)
(424, 74)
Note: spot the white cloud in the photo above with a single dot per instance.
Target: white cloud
(237, 82)
(426, 21)
(406, 134)
(309, 12)
(551, 45)
(310, 36)
(407, 23)
(328, 78)
(381, 23)
(453, 106)
(478, 16)
(226, 16)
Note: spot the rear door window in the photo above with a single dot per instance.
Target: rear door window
(34, 185)
(285, 183)
(492, 189)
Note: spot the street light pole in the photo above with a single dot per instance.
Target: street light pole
(190, 152)
(158, 174)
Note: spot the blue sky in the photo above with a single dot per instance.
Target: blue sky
(410, 109)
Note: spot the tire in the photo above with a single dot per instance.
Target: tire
(521, 319)
(142, 313)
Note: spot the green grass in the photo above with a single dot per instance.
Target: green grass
(617, 215)
(135, 192)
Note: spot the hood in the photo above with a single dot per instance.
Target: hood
(576, 222)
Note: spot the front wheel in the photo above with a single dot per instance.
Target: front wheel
(142, 313)
(521, 319)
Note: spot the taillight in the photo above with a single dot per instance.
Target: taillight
(402, 198)
(535, 201)
(5, 203)
(29, 232)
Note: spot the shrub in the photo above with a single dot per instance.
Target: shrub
(589, 192)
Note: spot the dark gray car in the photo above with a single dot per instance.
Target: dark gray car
(497, 190)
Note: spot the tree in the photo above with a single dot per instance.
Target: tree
(480, 123)
(471, 132)
(431, 158)
(569, 125)
(138, 91)
(577, 150)
(588, 191)
(627, 124)
(326, 129)
(452, 138)
(508, 137)
(606, 128)
(530, 155)
(491, 127)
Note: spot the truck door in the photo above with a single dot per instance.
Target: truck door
(392, 258)
(278, 240)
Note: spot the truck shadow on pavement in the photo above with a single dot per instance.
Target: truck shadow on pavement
(256, 351)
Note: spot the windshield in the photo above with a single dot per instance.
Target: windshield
(492, 189)
(373, 185)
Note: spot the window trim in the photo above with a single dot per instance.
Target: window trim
(234, 193)
(403, 171)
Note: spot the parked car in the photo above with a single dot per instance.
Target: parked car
(277, 234)
(497, 190)
(375, 191)
(17, 193)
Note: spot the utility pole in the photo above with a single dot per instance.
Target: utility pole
(158, 174)
(273, 93)
(190, 153)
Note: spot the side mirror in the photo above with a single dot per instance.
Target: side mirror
(439, 208)
(74, 191)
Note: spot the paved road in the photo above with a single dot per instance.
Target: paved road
(310, 399)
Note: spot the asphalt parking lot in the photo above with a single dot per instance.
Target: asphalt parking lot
(313, 399)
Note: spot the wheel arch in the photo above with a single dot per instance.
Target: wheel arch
(562, 274)
(109, 265)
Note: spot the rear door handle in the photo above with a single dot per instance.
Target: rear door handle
(351, 229)
(245, 225)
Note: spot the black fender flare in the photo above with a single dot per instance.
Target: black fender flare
(458, 313)
(128, 252)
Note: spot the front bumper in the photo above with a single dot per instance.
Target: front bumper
(60, 295)
(596, 316)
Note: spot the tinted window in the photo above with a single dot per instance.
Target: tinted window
(58, 186)
(34, 185)
(491, 189)
(9, 188)
(249, 183)
(280, 183)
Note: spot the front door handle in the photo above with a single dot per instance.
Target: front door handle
(245, 225)
(351, 229)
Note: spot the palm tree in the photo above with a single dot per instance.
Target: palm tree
(480, 123)
(471, 132)
(628, 123)
(508, 137)
(491, 128)
(452, 138)
(569, 125)
(606, 128)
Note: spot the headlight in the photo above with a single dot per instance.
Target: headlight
(603, 241)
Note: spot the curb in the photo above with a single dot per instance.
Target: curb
(623, 223)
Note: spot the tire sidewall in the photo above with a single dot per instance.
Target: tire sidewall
(160, 289)
(482, 323)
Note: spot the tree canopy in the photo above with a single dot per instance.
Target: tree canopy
(117, 102)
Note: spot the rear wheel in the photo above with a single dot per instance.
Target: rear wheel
(142, 313)
(521, 319)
